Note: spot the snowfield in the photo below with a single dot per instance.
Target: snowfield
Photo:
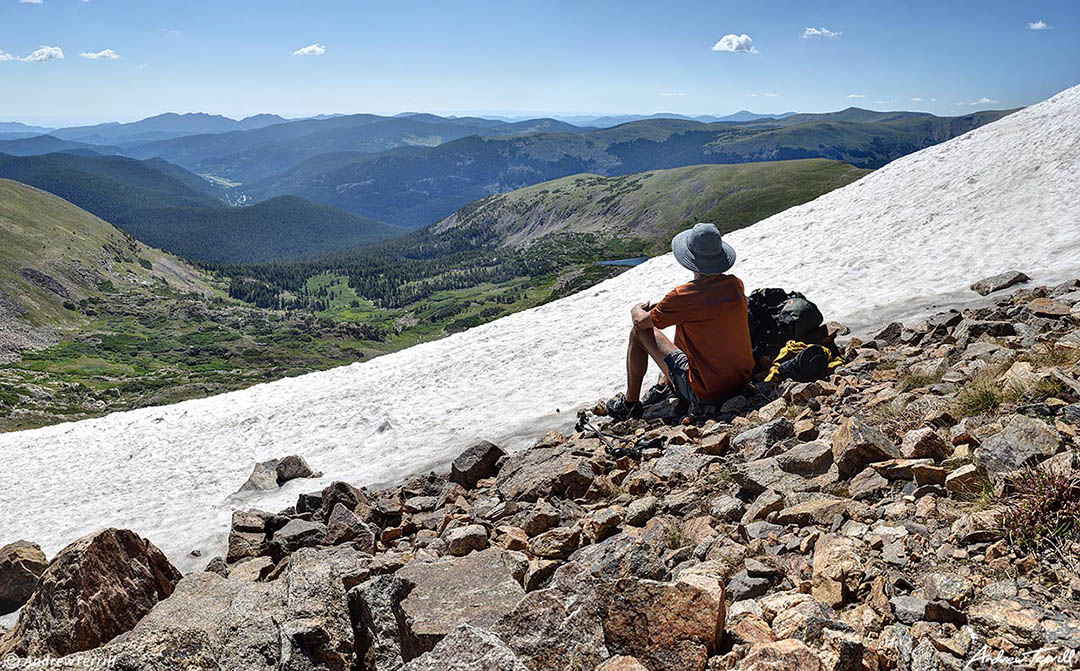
(906, 239)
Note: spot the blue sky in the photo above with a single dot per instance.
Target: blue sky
(583, 57)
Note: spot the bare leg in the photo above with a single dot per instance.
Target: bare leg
(644, 345)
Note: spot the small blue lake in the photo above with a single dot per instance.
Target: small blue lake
(636, 261)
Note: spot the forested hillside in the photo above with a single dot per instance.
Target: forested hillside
(165, 206)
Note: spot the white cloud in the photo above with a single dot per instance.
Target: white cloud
(1039, 25)
(311, 50)
(105, 54)
(30, 2)
(807, 33)
(981, 101)
(39, 55)
(856, 95)
(763, 95)
(736, 44)
(672, 95)
(916, 100)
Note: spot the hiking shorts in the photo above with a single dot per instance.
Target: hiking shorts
(678, 367)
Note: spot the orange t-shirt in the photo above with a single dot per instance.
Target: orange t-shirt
(711, 328)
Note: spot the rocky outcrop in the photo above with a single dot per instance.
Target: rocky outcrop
(476, 463)
(95, 589)
(478, 589)
(21, 565)
(299, 621)
(848, 524)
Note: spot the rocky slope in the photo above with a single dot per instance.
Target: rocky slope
(917, 511)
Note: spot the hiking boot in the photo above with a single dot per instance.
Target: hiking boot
(618, 409)
(657, 393)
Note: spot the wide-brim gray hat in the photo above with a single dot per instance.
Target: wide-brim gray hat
(702, 250)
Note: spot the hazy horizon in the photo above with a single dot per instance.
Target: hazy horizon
(79, 62)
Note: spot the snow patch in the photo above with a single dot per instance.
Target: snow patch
(913, 234)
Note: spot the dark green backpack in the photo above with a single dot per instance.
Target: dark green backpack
(777, 316)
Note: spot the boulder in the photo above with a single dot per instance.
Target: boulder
(299, 533)
(300, 621)
(622, 663)
(641, 510)
(786, 655)
(478, 590)
(542, 517)
(560, 627)
(463, 540)
(294, 467)
(755, 443)
(468, 648)
(838, 569)
(557, 543)
(815, 511)
(681, 461)
(766, 503)
(375, 610)
(276, 472)
(545, 471)
(808, 459)
(620, 556)
(476, 463)
(344, 526)
(856, 444)
(248, 535)
(345, 494)
(761, 474)
(964, 480)
(989, 285)
(726, 508)
(807, 621)
(1023, 441)
(868, 484)
(743, 586)
(21, 565)
(923, 443)
(603, 522)
(95, 589)
(665, 625)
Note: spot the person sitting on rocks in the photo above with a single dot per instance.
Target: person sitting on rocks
(711, 358)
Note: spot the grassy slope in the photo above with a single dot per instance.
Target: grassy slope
(78, 251)
(654, 205)
(117, 325)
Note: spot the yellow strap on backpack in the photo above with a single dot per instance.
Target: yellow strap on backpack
(789, 350)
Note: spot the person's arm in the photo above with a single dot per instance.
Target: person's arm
(642, 317)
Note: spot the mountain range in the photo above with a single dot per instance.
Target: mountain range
(409, 170)
(415, 186)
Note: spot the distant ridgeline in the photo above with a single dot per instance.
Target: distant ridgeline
(413, 170)
(166, 206)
